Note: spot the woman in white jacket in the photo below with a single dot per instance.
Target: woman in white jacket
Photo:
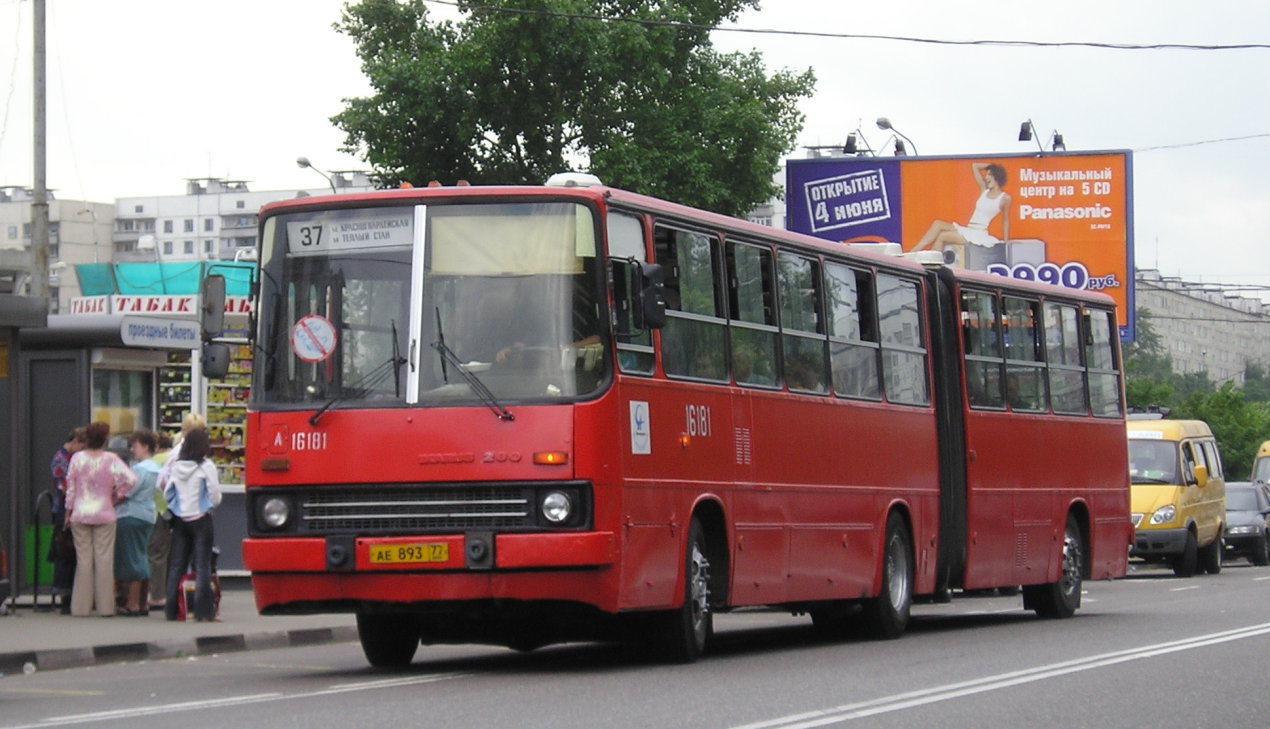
(192, 491)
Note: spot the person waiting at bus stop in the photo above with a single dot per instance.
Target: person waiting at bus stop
(136, 517)
(62, 546)
(161, 536)
(192, 491)
(96, 480)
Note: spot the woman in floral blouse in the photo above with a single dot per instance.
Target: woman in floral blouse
(95, 482)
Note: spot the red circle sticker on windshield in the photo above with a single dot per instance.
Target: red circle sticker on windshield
(313, 338)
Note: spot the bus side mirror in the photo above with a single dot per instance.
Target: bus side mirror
(211, 315)
(215, 360)
(650, 313)
(1201, 476)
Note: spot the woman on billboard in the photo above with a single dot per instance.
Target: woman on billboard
(993, 200)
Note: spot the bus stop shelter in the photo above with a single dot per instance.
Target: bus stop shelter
(16, 312)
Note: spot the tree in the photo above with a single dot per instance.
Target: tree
(1238, 425)
(1256, 383)
(520, 89)
(1149, 377)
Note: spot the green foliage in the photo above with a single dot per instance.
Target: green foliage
(1256, 384)
(1149, 377)
(512, 97)
(1240, 419)
(1240, 426)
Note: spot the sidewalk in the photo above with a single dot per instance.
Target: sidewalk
(49, 640)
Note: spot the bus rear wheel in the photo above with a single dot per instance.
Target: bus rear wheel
(682, 634)
(886, 616)
(1061, 599)
(389, 641)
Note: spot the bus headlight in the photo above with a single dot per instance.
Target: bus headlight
(557, 507)
(275, 512)
(1164, 515)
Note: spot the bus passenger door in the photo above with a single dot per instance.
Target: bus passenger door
(760, 554)
(990, 505)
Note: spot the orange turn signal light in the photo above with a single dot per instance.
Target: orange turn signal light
(551, 458)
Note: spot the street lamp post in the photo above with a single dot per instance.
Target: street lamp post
(885, 125)
(304, 163)
(1027, 131)
(92, 214)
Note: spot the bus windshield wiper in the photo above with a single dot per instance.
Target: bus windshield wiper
(370, 380)
(483, 392)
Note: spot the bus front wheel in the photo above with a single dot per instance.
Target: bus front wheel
(1185, 564)
(389, 641)
(1061, 599)
(1210, 556)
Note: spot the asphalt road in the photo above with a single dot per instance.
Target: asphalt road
(1148, 651)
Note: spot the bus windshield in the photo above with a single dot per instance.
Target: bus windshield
(1261, 470)
(510, 292)
(1153, 461)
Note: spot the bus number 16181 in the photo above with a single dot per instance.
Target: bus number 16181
(698, 420)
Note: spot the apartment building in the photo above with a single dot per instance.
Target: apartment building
(1205, 326)
(79, 232)
(215, 219)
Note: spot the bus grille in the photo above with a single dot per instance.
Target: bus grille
(415, 509)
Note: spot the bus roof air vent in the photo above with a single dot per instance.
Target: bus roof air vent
(573, 179)
(928, 258)
(886, 249)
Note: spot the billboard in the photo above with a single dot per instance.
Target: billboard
(1061, 218)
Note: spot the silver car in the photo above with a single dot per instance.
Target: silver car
(1248, 522)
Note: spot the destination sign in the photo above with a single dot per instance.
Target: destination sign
(351, 231)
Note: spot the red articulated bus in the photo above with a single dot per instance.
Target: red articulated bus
(526, 415)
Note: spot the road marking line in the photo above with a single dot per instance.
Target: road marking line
(51, 692)
(233, 701)
(293, 666)
(160, 709)
(1259, 579)
(1184, 589)
(921, 697)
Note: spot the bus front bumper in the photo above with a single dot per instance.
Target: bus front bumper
(1154, 543)
(300, 572)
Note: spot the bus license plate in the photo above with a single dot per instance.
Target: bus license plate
(409, 553)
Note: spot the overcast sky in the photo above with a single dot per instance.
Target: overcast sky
(145, 93)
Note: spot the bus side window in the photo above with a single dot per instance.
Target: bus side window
(981, 336)
(626, 242)
(803, 339)
(1024, 358)
(1192, 456)
(853, 341)
(693, 340)
(903, 354)
(752, 304)
(1100, 358)
(1213, 457)
(1062, 352)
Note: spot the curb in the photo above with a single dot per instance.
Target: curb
(16, 662)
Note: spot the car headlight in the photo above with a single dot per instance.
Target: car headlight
(556, 507)
(275, 512)
(1164, 515)
(1242, 530)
